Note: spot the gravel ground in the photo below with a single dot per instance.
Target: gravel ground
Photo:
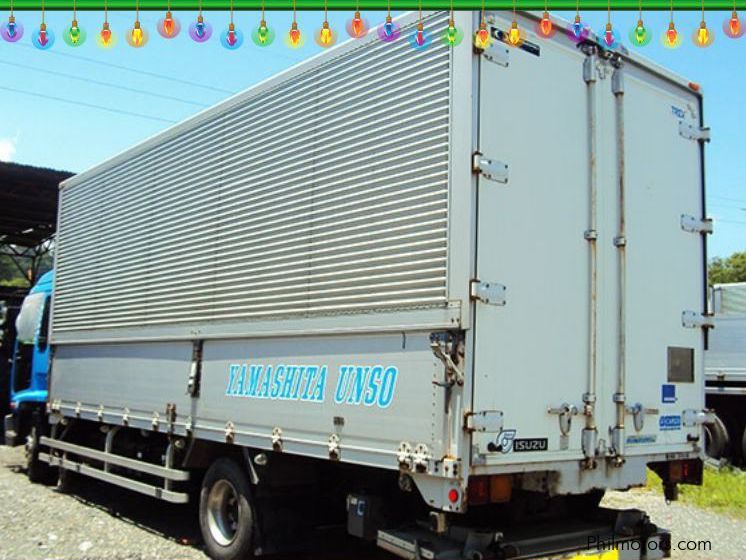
(687, 523)
(99, 522)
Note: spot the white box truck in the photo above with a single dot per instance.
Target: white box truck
(725, 373)
(453, 294)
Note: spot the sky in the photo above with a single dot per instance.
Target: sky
(72, 108)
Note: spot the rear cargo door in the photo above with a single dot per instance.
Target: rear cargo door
(531, 354)
(665, 258)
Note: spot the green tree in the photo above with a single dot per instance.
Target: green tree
(12, 275)
(731, 269)
(9, 273)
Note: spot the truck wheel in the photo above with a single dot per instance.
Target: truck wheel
(226, 516)
(36, 470)
(743, 447)
(716, 438)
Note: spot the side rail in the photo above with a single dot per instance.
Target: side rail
(58, 457)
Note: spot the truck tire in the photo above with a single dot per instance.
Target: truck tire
(716, 438)
(743, 447)
(226, 515)
(36, 470)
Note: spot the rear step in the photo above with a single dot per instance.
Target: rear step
(630, 536)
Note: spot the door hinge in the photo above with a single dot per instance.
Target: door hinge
(489, 168)
(696, 225)
(694, 132)
(693, 320)
(691, 418)
(490, 293)
(496, 53)
(487, 421)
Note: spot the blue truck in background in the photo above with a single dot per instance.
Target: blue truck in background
(29, 372)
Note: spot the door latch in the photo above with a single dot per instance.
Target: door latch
(638, 413)
(565, 412)
(453, 372)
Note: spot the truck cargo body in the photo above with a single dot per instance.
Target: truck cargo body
(725, 372)
(443, 263)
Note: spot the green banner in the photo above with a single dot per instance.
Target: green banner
(396, 5)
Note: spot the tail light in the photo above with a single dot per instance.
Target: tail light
(479, 490)
(687, 471)
(493, 489)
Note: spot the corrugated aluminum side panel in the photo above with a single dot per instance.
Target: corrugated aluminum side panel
(326, 194)
(730, 298)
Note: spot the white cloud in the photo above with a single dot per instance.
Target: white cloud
(8, 148)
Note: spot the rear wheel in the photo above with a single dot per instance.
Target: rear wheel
(36, 470)
(716, 438)
(226, 515)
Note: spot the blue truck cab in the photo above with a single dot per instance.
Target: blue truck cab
(30, 366)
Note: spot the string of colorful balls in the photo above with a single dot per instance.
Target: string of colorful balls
(357, 27)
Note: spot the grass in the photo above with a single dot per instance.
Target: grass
(14, 283)
(723, 491)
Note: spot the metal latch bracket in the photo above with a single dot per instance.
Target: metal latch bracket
(490, 293)
(694, 132)
(490, 169)
(696, 225)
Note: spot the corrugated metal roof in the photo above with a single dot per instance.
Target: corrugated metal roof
(28, 203)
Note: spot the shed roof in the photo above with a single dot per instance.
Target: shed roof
(28, 203)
